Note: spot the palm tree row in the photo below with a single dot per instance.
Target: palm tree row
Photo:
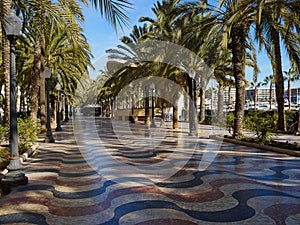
(224, 36)
(52, 37)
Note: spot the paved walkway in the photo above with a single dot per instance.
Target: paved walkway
(125, 174)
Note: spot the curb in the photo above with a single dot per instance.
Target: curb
(29, 152)
(254, 145)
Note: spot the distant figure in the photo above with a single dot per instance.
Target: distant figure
(295, 125)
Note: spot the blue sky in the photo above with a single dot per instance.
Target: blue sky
(101, 36)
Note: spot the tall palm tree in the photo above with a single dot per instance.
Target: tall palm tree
(236, 17)
(68, 60)
(170, 23)
(269, 80)
(276, 21)
(39, 24)
(290, 76)
(114, 11)
(254, 86)
(134, 57)
(203, 38)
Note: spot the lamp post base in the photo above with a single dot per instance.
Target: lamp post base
(58, 129)
(49, 139)
(153, 124)
(15, 177)
(193, 133)
(132, 119)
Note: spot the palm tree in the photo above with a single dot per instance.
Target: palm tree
(236, 17)
(40, 24)
(134, 67)
(67, 59)
(269, 80)
(254, 86)
(114, 12)
(169, 25)
(203, 38)
(290, 76)
(276, 21)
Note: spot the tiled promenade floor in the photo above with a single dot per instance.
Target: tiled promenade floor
(139, 176)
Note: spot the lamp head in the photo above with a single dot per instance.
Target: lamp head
(12, 24)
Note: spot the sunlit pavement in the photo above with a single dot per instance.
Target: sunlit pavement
(121, 173)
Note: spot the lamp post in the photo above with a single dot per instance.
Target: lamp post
(58, 127)
(49, 137)
(152, 87)
(192, 108)
(14, 177)
(132, 103)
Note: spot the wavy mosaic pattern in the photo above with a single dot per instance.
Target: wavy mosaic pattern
(241, 186)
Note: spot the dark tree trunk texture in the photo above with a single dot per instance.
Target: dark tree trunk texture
(5, 4)
(37, 64)
(279, 81)
(238, 56)
(220, 113)
(147, 108)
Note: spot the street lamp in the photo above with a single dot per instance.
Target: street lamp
(132, 103)
(58, 127)
(66, 109)
(152, 87)
(14, 177)
(49, 137)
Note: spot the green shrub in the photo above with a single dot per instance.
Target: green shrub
(27, 133)
(289, 115)
(4, 157)
(230, 122)
(262, 123)
(4, 132)
(27, 130)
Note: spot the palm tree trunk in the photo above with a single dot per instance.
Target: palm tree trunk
(270, 96)
(203, 84)
(279, 80)
(186, 106)
(6, 60)
(202, 105)
(43, 104)
(238, 57)
(37, 64)
(42, 89)
(255, 98)
(175, 115)
(220, 113)
(289, 92)
(229, 95)
(147, 111)
(298, 122)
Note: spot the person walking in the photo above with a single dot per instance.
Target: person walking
(298, 123)
(294, 127)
